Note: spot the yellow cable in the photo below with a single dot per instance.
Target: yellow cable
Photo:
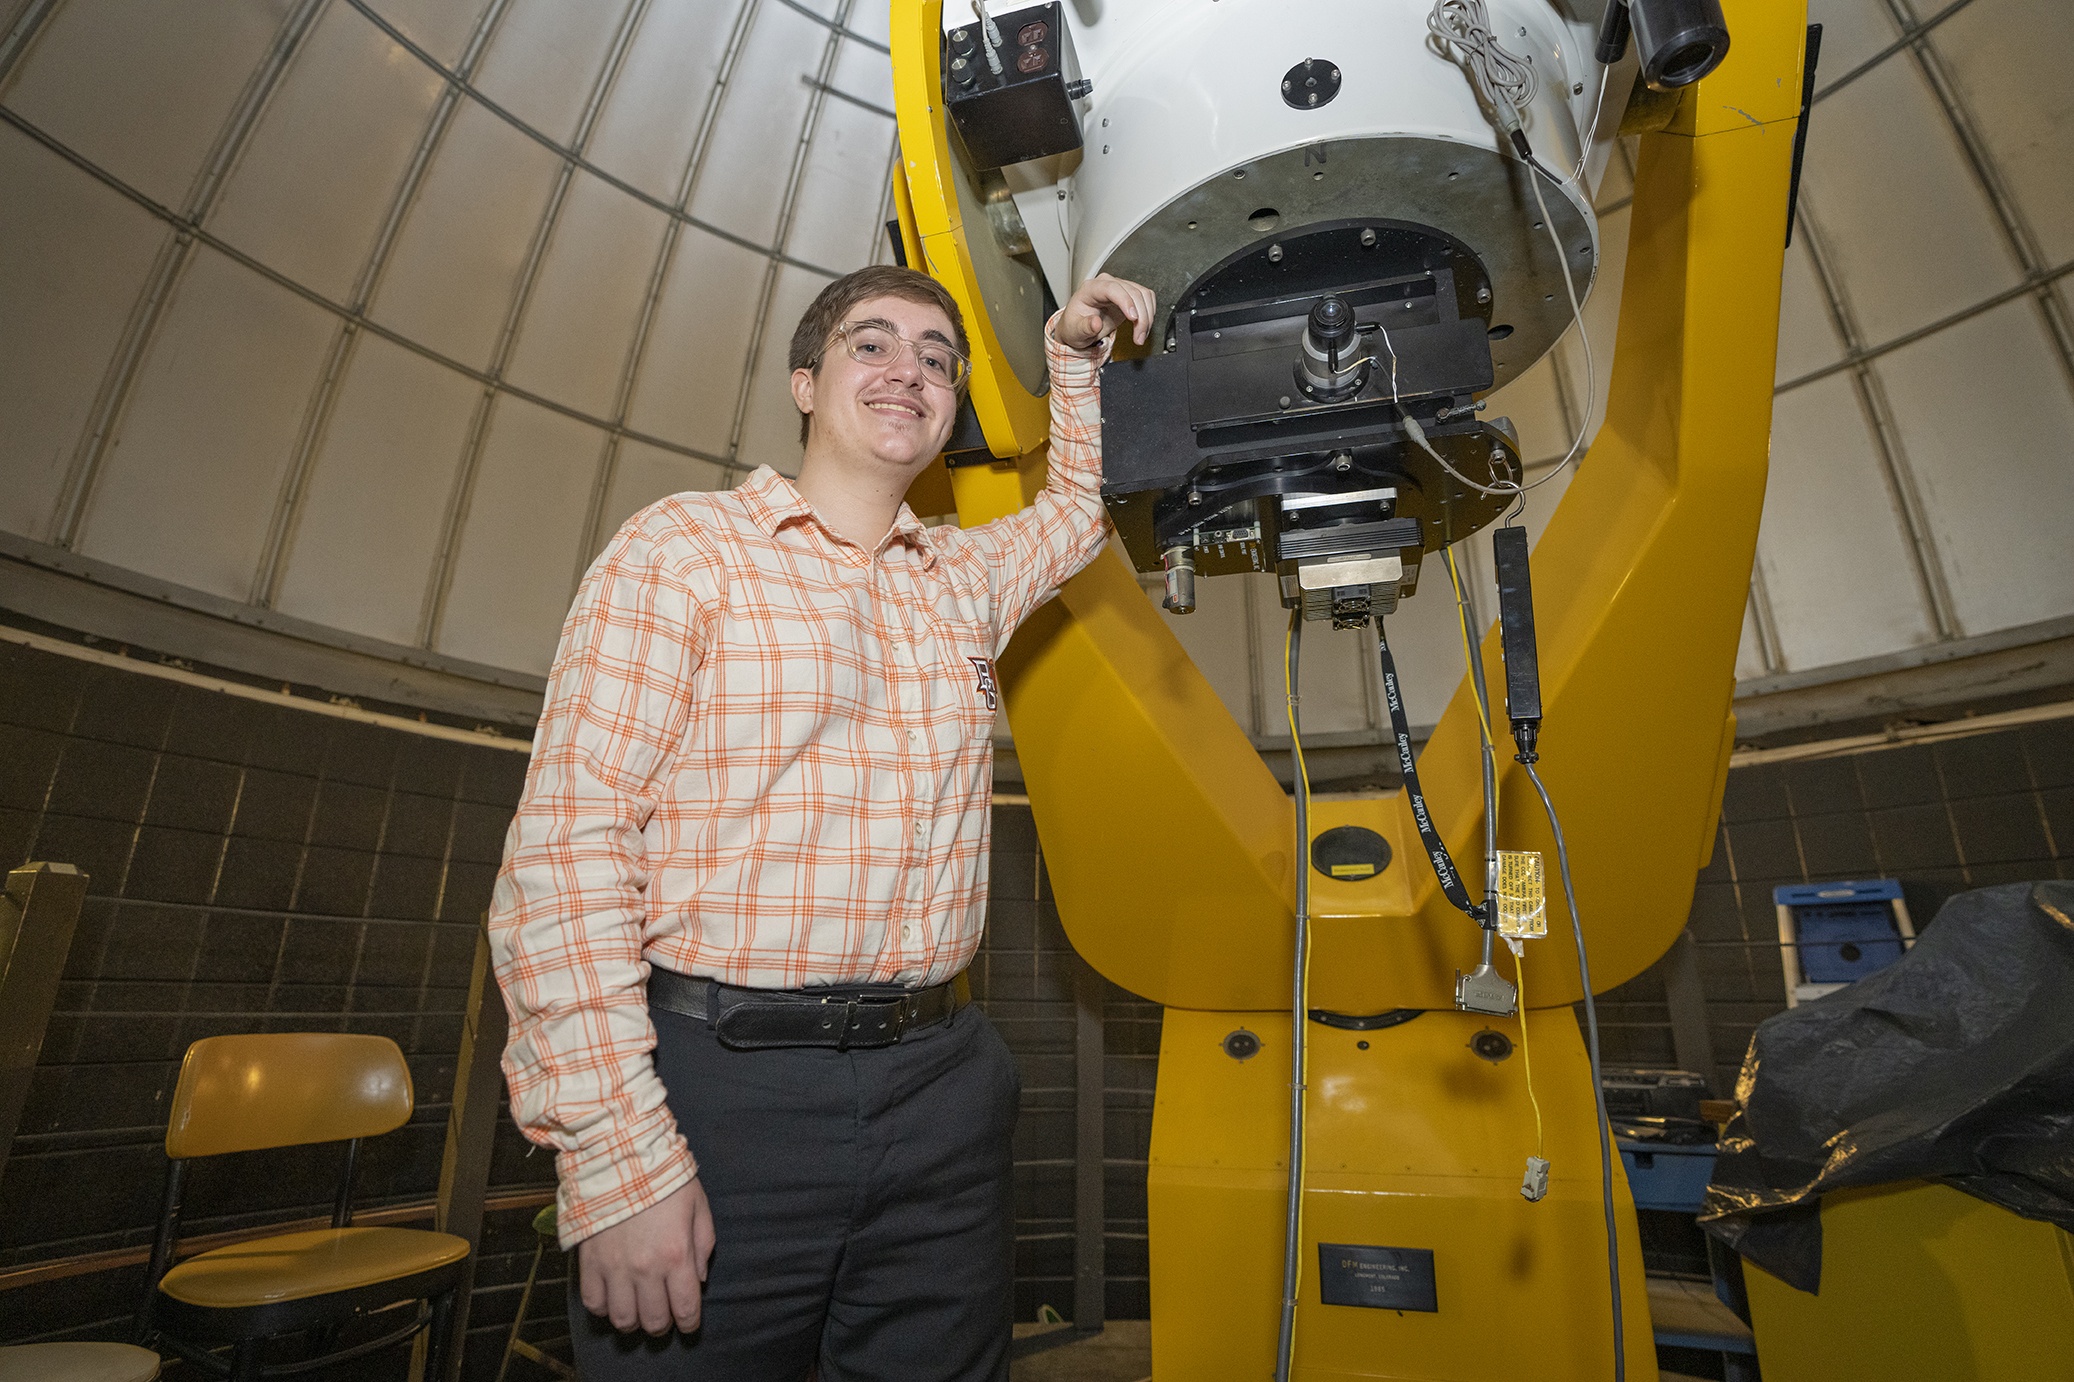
(1303, 778)
(1519, 975)
(1519, 960)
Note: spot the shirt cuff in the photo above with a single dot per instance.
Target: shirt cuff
(1074, 369)
(611, 1184)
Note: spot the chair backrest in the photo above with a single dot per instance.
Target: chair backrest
(243, 1093)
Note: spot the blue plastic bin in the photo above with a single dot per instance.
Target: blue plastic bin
(1664, 1177)
(1844, 931)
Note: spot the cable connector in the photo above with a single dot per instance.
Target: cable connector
(1484, 990)
(1535, 1187)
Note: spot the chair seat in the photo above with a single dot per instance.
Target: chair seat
(78, 1363)
(295, 1266)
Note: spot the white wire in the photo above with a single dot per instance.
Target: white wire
(1418, 433)
(1591, 131)
(1591, 383)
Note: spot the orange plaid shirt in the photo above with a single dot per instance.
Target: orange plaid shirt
(766, 757)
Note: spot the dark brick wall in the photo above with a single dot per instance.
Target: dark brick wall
(253, 867)
(259, 867)
(1995, 807)
(1023, 978)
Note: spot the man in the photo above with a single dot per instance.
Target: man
(749, 868)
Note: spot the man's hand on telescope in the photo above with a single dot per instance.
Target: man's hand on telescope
(1102, 305)
(645, 1272)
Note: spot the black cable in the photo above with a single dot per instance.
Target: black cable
(1436, 851)
(1526, 758)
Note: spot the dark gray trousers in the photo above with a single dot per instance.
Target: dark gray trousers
(864, 1208)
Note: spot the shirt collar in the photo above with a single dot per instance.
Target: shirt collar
(773, 501)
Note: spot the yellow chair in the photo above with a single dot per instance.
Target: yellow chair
(245, 1093)
(77, 1363)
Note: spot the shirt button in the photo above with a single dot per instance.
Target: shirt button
(907, 933)
(914, 736)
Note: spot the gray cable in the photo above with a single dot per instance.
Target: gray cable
(1474, 654)
(1591, 1030)
(989, 36)
(1506, 81)
(1299, 1014)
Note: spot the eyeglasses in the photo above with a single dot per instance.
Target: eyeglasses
(877, 343)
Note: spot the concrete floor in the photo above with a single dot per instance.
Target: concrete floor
(1122, 1352)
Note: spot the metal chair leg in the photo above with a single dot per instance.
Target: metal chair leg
(525, 1299)
(438, 1336)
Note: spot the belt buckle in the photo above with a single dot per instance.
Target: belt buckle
(855, 1008)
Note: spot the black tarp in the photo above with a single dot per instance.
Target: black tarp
(1954, 1064)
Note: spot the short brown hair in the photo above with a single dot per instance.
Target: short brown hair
(838, 299)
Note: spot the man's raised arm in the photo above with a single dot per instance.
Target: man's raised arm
(1032, 552)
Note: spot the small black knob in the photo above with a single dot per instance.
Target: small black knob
(1078, 90)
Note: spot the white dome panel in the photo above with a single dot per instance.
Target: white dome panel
(1990, 425)
(1808, 338)
(441, 27)
(863, 71)
(2010, 58)
(691, 372)
(346, 119)
(547, 61)
(873, 23)
(642, 474)
(1852, 32)
(375, 504)
(1912, 236)
(72, 255)
(848, 177)
(188, 489)
(144, 87)
(456, 264)
(660, 99)
(587, 298)
(770, 419)
(1749, 651)
(522, 543)
(1219, 641)
(1831, 541)
(746, 178)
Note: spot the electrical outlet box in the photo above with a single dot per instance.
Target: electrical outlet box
(1026, 110)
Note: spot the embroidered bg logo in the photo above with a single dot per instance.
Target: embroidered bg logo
(985, 668)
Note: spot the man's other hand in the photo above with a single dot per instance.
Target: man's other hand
(1101, 305)
(645, 1272)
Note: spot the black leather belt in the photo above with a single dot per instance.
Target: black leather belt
(847, 1017)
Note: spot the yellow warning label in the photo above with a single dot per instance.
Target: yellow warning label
(1522, 894)
(1353, 870)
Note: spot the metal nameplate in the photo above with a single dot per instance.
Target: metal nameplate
(1379, 1278)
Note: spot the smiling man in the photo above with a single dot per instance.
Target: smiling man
(749, 869)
